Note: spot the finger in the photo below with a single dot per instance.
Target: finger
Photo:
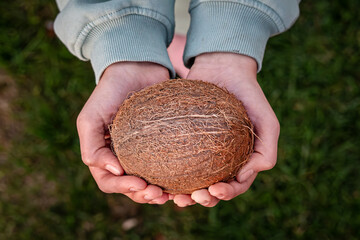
(176, 50)
(148, 194)
(183, 200)
(227, 191)
(257, 163)
(240, 188)
(222, 190)
(158, 197)
(265, 151)
(109, 183)
(93, 148)
(171, 196)
(160, 200)
(107, 138)
(204, 198)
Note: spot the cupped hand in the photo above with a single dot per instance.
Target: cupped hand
(237, 73)
(117, 82)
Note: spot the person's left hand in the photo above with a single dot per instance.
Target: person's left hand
(237, 73)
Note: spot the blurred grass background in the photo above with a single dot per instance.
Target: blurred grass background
(311, 78)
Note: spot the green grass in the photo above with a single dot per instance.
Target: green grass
(311, 78)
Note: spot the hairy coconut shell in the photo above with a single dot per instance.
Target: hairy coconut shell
(182, 135)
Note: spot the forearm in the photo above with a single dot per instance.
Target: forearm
(106, 32)
(237, 26)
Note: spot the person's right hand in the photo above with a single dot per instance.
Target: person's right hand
(117, 82)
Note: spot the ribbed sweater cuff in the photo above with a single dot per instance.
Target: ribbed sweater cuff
(219, 26)
(133, 38)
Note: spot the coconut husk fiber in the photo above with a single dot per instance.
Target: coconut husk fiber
(182, 135)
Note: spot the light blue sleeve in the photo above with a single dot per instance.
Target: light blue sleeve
(237, 26)
(110, 31)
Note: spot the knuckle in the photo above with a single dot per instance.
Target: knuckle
(81, 120)
(104, 189)
(269, 164)
(276, 125)
(87, 159)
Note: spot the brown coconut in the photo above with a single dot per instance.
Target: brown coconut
(182, 135)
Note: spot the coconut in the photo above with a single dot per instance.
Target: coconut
(182, 135)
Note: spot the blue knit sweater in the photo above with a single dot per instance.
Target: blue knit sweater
(106, 32)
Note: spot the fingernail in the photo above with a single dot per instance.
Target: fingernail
(113, 170)
(220, 196)
(154, 202)
(133, 189)
(246, 175)
(205, 202)
(146, 197)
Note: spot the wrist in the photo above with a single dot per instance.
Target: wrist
(136, 74)
(224, 59)
(231, 64)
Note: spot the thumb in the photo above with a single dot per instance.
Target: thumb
(93, 146)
